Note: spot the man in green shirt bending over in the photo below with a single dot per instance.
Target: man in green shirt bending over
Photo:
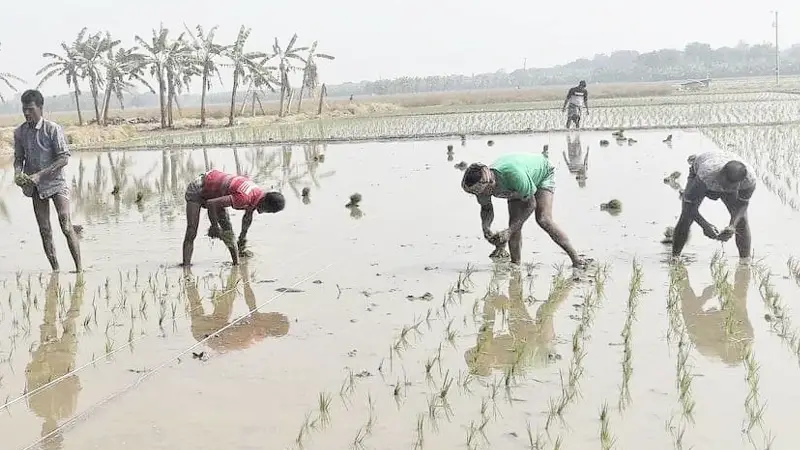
(527, 181)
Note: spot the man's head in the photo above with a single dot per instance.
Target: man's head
(734, 172)
(582, 84)
(32, 102)
(271, 202)
(478, 179)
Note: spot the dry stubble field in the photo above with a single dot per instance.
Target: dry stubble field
(387, 326)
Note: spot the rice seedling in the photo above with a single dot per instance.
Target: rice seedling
(607, 439)
(754, 408)
(324, 405)
(634, 292)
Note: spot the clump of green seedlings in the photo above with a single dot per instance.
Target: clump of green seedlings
(724, 290)
(355, 200)
(634, 294)
(613, 207)
(754, 409)
(779, 320)
(607, 439)
(794, 268)
(683, 368)
(672, 178)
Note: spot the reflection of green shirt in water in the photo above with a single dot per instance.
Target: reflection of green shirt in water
(521, 173)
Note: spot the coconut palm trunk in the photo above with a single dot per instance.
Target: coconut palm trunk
(78, 104)
(233, 98)
(170, 96)
(161, 97)
(95, 93)
(203, 98)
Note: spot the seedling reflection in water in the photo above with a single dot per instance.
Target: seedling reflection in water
(606, 438)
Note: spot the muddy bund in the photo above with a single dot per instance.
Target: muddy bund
(385, 325)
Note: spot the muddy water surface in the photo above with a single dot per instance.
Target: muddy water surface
(364, 307)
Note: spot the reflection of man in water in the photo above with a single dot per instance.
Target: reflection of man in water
(244, 333)
(532, 337)
(52, 359)
(706, 326)
(577, 163)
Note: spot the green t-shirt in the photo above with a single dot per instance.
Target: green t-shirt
(520, 173)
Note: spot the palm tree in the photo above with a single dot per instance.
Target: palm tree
(121, 68)
(90, 60)
(245, 65)
(180, 66)
(206, 53)
(67, 66)
(310, 74)
(6, 78)
(285, 57)
(156, 52)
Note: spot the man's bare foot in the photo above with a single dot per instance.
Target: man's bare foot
(582, 262)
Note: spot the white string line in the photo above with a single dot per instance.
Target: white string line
(129, 343)
(169, 360)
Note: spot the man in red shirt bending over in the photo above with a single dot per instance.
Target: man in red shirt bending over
(216, 191)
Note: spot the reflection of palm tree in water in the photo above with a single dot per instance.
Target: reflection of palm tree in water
(533, 337)
(707, 329)
(577, 162)
(52, 359)
(243, 334)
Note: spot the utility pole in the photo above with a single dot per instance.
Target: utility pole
(777, 51)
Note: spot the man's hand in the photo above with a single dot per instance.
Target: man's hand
(711, 231)
(726, 234)
(242, 246)
(34, 178)
(500, 238)
(487, 234)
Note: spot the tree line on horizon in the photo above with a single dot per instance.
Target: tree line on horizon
(165, 66)
(696, 60)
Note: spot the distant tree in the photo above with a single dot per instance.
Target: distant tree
(245, 65)
(7, 79)
(121, 68)
(66, 65)
(286, 56)
(154, 59)
(207, 52)
(310, 73)
(90, 55)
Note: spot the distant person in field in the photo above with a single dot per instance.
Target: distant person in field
(717, 175)
(215, 191)
(40, 155)
(577, 99)
(527, 181)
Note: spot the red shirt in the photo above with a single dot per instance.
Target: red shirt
(244, 193)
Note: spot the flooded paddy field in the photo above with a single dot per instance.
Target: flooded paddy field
(387, 326)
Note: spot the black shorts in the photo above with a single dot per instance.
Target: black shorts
(194, 191)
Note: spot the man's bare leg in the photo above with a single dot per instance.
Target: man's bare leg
(41, 209)
(61, 203)
(515, 208)
(192, 222)
(544, 217)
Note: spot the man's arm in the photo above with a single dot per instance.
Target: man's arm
(487, 214)
(247, 220)
(214, 206)
(19, 153)
(566, 100)
(61, 155)
(740, 207)
(586, 99)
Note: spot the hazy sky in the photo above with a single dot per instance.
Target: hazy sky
(392, 38)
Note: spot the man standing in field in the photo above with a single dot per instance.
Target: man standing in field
(216, 191)
(527, 181)
(577, 98)
(717, 175)
(40, 155)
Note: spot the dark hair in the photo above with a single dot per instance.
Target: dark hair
(582, 83)
(735, 171)
(32, 96)
(472, 175)
(272, 202)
